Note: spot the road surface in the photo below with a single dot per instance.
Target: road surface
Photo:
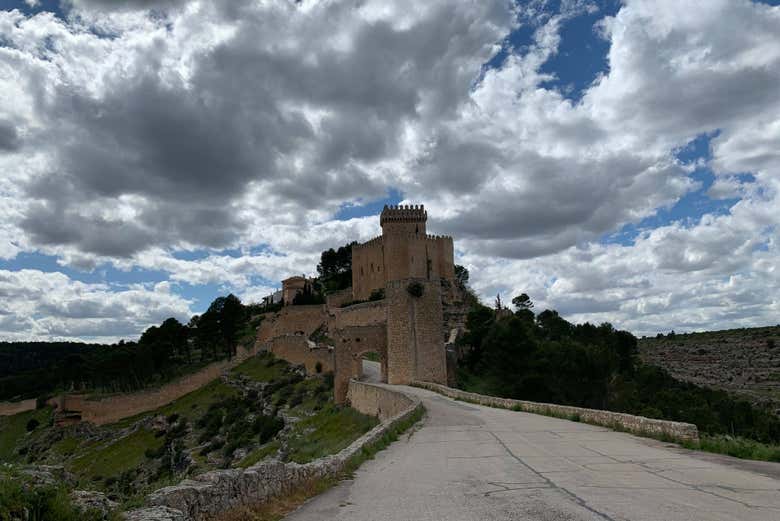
(468, 462)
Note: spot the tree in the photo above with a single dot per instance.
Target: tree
(523, 301)
(461, 275)
(335, 267)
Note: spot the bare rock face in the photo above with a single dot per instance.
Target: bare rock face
(155, 514)
(86, 500)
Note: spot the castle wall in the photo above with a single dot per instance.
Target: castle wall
(368, 268)
(303, 320)
(101, 411)
(364, 314)
(296, 350)
(351, 343)
(11, 408)
(415, 347)
(336, 299)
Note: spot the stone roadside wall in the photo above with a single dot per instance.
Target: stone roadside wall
(214, 492)
(377, 401)
(640, 425)
(296, 350)
(111, 409)
(11, 408)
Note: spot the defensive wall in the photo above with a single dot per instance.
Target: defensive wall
(298, 350)
(291, 320)
(336, 299)
(351, 343)
(110, 409)
(415, 346)
(365, 313)
(215, 492)
(11, 408)
(677, 431)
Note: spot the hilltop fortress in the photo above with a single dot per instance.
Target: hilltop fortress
(404, 305)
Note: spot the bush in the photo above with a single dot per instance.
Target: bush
(415, 289)
(32, 424)
(770, 343)
(377, 294)
(47, 503)
(318, 367)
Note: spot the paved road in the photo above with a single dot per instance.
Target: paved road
(371, 371)
(468, 462)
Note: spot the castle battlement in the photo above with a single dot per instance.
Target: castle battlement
(437, 237)
(406, 213)
(369, 243)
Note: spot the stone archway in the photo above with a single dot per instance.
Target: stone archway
(351, 344)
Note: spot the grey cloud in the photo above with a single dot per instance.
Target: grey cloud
(9, 137)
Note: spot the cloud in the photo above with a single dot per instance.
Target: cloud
(43, 306)
(127, 136)
(9, 138)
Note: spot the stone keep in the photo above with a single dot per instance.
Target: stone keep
(402, 256)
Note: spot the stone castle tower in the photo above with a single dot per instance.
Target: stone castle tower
(409, 265)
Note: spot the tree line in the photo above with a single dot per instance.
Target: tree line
(544, 358)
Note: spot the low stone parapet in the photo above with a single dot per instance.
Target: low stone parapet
(214, 492)
(11, 408)
(662, 429)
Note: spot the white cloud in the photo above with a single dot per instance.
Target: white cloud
(206, 125)
(39, 306)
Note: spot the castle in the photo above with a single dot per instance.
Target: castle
(403, 305)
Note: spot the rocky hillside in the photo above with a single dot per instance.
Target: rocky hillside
(263, 408)
(745, 361)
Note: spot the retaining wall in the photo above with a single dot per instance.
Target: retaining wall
(215, 492)
(11, 408)
(640, 425)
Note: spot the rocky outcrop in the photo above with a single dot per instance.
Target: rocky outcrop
(640, 425)
(90, 500)
(217, 491)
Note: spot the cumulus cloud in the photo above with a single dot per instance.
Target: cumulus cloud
(129, 134)
(40, 306)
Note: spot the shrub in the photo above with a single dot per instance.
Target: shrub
(318, 367)
(32, 424)
(415, 289)
(770, 343)
(377, 294)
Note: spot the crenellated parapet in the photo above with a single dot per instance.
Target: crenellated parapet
(368, 244)
(408, 213)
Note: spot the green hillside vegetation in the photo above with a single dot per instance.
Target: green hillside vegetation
(233, 422)
(544, 358)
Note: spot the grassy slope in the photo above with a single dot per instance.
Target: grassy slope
(13, 429)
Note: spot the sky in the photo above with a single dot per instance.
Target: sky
(616, 160)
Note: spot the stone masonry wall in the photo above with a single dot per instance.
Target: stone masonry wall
(364, 314)
(291, 320)
(335, 299)
(114, 408)
(368, 268)
(296, 350)
(415, 345)
(377, 401)
(677, 431)
(215, 492)
(351, 343)
(11, 408)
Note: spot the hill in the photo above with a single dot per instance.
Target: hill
(744, 361)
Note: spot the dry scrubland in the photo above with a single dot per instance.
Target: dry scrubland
(743, 361)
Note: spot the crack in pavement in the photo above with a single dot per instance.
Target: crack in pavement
(552, 484)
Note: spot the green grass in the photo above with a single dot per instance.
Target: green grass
(327, 432)
(46, 503)
(67, 446)
(14, 428)
(113, 458)
(261, 368)
(259, 454)
(737, 447)
(371, 356)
